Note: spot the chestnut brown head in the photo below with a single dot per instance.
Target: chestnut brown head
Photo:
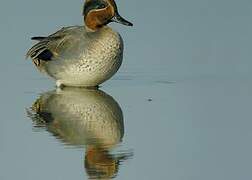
(98, 13)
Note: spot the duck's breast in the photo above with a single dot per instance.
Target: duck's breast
(88, 58)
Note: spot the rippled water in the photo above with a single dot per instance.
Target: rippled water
(179, 108)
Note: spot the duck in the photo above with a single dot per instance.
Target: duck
(86, 55)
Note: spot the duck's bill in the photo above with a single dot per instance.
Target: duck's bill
(119, 19)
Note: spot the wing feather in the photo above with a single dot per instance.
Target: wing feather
(45, 49)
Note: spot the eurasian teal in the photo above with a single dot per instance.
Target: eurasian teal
(83, 55)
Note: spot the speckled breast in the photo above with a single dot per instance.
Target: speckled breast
(89, 58)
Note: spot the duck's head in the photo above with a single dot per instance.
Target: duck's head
(98, 13)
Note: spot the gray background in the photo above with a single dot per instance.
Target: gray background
(192, 58)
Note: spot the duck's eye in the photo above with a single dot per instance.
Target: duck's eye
(94, 5)
(101, 6)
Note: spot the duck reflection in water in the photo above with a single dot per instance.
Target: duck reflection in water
(84, 117)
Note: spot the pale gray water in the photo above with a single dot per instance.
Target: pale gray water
(184, 90)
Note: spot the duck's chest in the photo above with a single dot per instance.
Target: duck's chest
(89, 59)
(95, 52)
(102, 51)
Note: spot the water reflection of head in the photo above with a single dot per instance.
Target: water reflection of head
(84, 117)
(100, 164)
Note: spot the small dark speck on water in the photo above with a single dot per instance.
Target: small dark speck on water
(150, 99)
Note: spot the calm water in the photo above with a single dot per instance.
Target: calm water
(179, 108)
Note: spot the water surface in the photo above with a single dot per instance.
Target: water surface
(179, 108)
